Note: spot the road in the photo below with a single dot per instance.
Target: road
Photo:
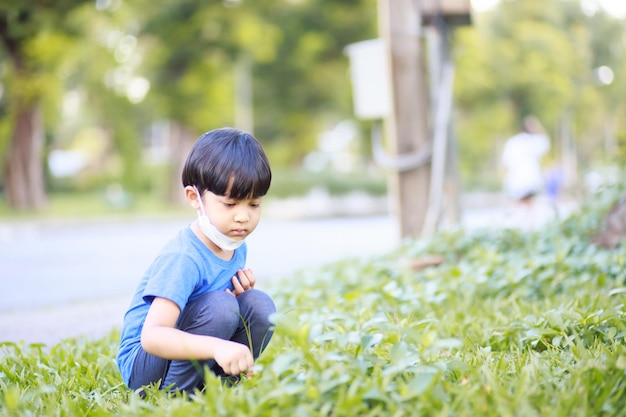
(62, 280)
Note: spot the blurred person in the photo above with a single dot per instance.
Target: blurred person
(196, 307)
(521, 158)
(555, 181)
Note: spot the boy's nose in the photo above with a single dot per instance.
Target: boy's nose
(242, 216)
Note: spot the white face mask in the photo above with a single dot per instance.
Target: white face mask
(210, 231)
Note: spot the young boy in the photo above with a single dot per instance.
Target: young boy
(196, 305)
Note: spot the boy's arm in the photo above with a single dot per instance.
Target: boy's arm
(159, 337)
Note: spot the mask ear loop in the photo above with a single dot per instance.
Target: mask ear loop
(199, 200)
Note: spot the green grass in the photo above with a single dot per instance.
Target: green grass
(510, 324)
(91, 204)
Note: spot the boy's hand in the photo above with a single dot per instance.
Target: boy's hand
(243, 281)
(233, 357)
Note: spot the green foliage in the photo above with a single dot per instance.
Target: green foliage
(69, 377)
(306, 88)
(510, 324)
(521, 57)
(112, 201)
(536, 57)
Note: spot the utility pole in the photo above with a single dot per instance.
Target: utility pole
(391, 82)
(407, 125)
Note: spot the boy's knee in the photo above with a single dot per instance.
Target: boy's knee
(258, 303)
(228, 308)
(215, 306)
(259, 298)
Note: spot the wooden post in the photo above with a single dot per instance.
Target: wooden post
(406, 128)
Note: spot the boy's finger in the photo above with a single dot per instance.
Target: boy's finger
(251, 278)
(237, 286)
(244, 279)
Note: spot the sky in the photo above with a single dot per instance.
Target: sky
(614, 7)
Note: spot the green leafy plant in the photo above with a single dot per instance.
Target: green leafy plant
(509, 324)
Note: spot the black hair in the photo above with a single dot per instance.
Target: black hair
(228, 162)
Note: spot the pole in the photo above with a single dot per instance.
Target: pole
(406, 128)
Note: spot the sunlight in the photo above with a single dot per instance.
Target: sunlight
(615, 7)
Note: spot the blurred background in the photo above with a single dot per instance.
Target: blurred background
(100, 100)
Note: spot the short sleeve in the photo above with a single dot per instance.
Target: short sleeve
(174, 277)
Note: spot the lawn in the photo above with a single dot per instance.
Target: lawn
(509, 324)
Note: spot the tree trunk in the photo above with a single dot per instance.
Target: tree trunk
(24, 177)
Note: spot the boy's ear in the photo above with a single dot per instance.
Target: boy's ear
(192, 197)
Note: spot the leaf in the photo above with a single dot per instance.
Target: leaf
(12, 398)
(417, 386)
(285, 362)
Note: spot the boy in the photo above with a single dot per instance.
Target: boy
(196, 305)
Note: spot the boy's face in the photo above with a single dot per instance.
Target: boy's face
(234, 218)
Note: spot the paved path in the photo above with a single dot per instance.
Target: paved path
(73, 279)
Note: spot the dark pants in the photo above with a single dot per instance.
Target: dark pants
(243, 319)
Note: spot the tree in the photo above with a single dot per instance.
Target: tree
(105, 72)
(191, 50)
(532, 57)
(25, 26)
(305, 88)
(292, 51)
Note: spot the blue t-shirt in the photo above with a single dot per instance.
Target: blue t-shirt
(184, 269)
